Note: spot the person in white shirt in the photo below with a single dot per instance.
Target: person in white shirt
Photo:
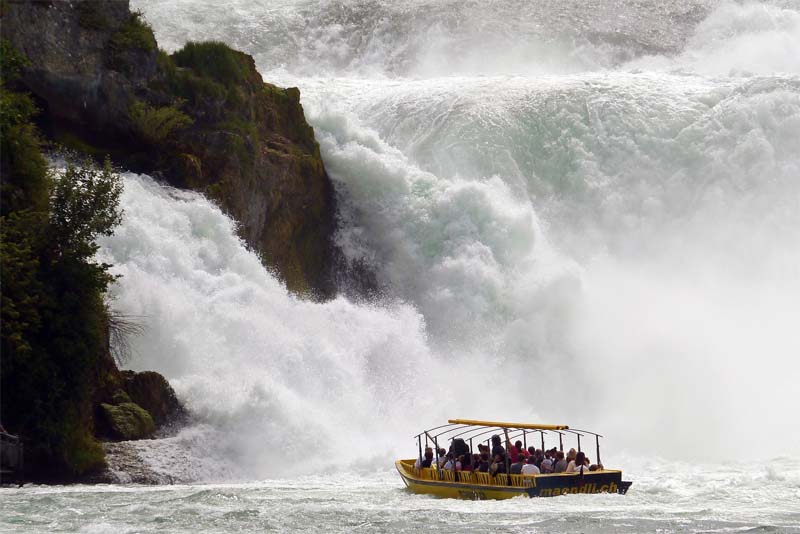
(579, 464)
(452, 464)
(530, 467)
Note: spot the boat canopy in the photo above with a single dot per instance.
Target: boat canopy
(473, 429)
(496, 424)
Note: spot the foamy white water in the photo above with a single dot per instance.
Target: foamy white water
(583, 213)
(671, 497)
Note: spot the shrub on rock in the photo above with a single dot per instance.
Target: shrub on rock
(128, 421)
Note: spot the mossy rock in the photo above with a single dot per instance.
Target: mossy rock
(120, 397)
(128, 421)
(151, 391)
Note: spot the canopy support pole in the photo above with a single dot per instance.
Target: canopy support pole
(597, 441)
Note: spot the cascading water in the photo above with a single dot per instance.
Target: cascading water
(581, 214)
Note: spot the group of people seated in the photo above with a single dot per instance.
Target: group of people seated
(516, 460)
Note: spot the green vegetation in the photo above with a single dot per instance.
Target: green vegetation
(215, 60)
(133, 36)
(90, 17)
(156, 124)
(54, 320)
(128, 421)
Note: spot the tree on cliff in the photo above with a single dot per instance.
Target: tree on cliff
(54, 320)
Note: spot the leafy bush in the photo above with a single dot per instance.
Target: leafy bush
(134, 35)
(84, 205)
(215, 60)
(90, 16)
(12, 62)
(54, 320)
(155, 124)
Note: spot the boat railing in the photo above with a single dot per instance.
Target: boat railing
(483, 478)
(11, 458)
(465, 477)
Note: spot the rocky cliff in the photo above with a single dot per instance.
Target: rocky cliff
(201, 118)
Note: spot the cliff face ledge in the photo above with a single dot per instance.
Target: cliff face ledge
(201, 119)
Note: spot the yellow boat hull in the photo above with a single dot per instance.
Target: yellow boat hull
(480, 486)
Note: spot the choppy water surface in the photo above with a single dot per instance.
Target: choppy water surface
(666, 497)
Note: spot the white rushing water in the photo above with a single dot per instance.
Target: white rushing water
(583, 212)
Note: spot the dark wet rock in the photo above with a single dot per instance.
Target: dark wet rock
(152, 392)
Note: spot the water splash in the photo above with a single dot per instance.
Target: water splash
(581, 217)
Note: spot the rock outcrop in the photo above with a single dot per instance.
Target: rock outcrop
(152, 392)
(127, 421)
(201, 118)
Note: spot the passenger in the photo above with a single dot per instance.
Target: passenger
(516, 467)
(513, 450)
(442, 457)
(427, 460)
(497, 447)
(462, 463)
(530, 467)
(498, 464)
(578, 464)
(452, 464)
(561, 463)
(538, 457)
(531, 451)
(546, 466)
(476, 462)
(571, 461)
(483, 465)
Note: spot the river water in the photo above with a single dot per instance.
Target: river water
(666, 497)
(581, 212)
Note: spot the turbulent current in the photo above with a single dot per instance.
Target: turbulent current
(581, 212)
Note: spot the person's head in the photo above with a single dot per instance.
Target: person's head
(428, 453)
(548, 454)
(580, 459)
(496, 440)
(442, 452)
(593, 468)
(518, 445)
(571, 454)
(485, 456)
(531, 450)
(482, 448)
(560, 455)
(539, 453)
(531, 459)
(449, 456)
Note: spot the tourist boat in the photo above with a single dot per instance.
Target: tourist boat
(478, 486)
